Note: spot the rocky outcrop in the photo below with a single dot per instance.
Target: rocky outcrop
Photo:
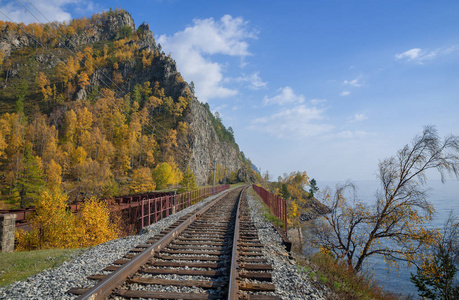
(105, 28)
(312, 208)
(205, 146)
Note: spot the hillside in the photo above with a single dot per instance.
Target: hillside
(95, 107)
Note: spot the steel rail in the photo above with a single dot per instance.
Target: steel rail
(233, 288)
(106, 286)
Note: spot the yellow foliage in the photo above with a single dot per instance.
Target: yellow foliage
(83, 80)
(54, 175)
(93, 223)
(117, 77)
(142, 181)
(220, 173)
(166, 174)
(293, 213)
(52, 224)
(2, 56)
(43, 83)
(55, 226)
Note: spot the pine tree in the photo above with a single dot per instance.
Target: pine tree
(31, 178)
(284, 192)
(435, 279)
(312, 187)
(188, 182)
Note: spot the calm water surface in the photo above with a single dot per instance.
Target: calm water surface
(444, 197)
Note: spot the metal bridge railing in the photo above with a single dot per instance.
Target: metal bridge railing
(276, 204)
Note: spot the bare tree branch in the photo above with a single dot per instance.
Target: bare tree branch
(356, 231)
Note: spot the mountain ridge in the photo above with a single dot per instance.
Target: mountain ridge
(104, 64)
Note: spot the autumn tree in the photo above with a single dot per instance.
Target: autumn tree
(89, 60)
(393, 225)
(220, 173)
(117, 78)
(233, 177)
(43, 84)
(93, 224)
(95, 179)
(52, 224)
(153, 102)
(83, 80)
(166, 174)
(188, 182)
(2, 56)
(435, 277)
(142, 181)
(169, 143)
(53, 175)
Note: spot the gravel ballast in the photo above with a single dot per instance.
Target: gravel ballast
(290, 283)
(54, 283)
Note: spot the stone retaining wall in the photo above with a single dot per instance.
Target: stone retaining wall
(7, 227)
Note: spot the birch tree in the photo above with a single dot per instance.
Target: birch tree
(393, 225)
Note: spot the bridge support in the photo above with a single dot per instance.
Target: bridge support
(7, 227)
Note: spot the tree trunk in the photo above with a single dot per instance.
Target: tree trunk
(300, 236)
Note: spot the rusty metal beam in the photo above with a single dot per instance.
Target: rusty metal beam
(233, 288)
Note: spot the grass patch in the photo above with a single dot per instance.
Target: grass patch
(20, 265)
(344, 283)
(267, 212)
(233, 185)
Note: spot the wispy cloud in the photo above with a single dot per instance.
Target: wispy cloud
(358, 118)
(53, 10)
(254, 81)
(294, 119)
(419, 55)
(354, 82)
(296, 122)
(192, 48)
(286, 96)
(410, 54)
(345, 93)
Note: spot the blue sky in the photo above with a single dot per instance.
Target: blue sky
(327, 87)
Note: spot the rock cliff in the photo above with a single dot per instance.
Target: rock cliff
(205, 146)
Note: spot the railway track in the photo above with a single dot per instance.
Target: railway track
(211, 253)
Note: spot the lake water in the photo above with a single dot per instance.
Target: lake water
(444, 197)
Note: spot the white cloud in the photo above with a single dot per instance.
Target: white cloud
(354, 82)
(410, 54)
(286, 96)
(345, 93)
(255, 82)
(358, 118)
(418, 55)
(53, 10)
(297, 122)
(192, 47)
